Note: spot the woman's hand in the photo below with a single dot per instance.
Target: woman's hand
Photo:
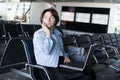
(67, 60)
(46, 29)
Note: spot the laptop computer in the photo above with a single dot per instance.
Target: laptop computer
(79, 66)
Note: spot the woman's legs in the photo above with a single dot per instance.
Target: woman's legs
(55, 73)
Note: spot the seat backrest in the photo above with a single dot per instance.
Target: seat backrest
(95, 39)
(105, 39)
(28, 28)
(11, 29)
(69, 40)
(28, 45)
(2, 31)
(83, 41)
(36, 26)
(98, 55)
(117, 37)
(113, 40)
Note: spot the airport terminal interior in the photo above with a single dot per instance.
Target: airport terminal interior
(90, 29)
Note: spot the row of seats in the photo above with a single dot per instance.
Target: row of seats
(24, 58)
(105, 59)
(15, 30)
(11, 30)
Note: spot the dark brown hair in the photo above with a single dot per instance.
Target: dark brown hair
(53, 12)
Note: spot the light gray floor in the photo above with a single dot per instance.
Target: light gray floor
(12, 76)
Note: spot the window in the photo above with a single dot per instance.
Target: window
(82, 17)
(67, 16)
(100, 19)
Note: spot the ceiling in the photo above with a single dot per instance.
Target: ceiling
(111, 1)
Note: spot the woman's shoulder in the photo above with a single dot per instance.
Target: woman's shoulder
(57, 31)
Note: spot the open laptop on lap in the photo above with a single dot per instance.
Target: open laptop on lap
(79, 66)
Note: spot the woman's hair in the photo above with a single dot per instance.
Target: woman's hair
(53, 12)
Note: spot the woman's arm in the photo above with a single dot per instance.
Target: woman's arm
(42, 42)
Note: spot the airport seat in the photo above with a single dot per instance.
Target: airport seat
(16, 59)
(12, 30)
(36, 71)
(114, 41)
(100, 54)
(102, 68)
(98, 49)
(113, 51)
(13, 56)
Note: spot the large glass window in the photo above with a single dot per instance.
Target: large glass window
(17, 11)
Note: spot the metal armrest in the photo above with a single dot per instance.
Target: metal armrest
(8, 33)
(5, 39)
(114, 48)
(40, 67)
(116, 65)
(118, 70)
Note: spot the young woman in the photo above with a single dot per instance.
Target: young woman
(48, 43)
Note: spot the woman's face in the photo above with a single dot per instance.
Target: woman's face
(48, 20)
